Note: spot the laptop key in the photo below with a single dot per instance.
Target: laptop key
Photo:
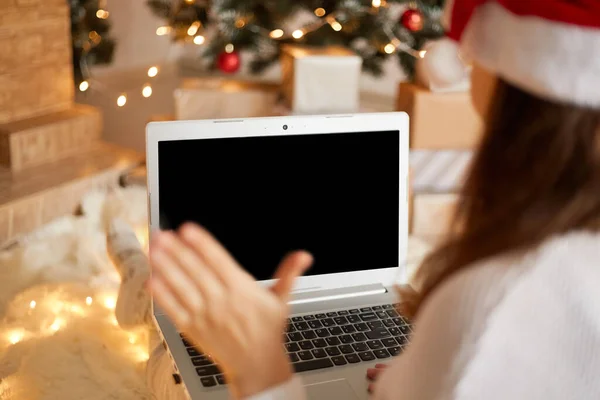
(376, 308)
(395, 331)
(312, 365)
(367, 316)
(332, 341)
(365, 309)
(319, 353)
(387, 306)
(220, 379)
(295, 336)
(201, 361)
(297, 319)
(193, 352)
(319, 343)
(309, 334)
(327, 322)
(293, 357)
(306, 345)
(389, 342)
(315, 324)
(291, 347)
(381, 314)
(302, 326)
(352, 358)
(336, 330)
(378, 333)
(361, 327)
(381, 353)
(322, 332)
(346, 339)
(186, 343)
(359, 337)
(346, 349)
(366, 355)
(290, 328)
(375, 324)
(207, 370)
(305, 355)
(401, 340)
(208, 381)
(360, 347)
(344, 312)
(333, 351)
(394, 351)
(405, 329)
(332, 314)
(353, 319)
(388, 323)
(392, 313)
(339, 360)
(348, 329)
(354, 311)
(309, 317)
(341, 320)
(320, 316)
(375, 344)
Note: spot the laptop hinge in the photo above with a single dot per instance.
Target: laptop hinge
(337, 294)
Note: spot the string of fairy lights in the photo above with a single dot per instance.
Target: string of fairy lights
(198, 37)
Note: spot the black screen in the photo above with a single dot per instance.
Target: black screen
(335, 195)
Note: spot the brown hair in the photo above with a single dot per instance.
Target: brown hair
(536, 174)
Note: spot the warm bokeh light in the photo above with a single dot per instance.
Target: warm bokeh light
(163, 30)
(240, 23)
(88, 301)
(336, 26)
(376, 3)
(193, 29)
(83, 86)
(32, 304)
(110, 303)
(152, 71)
(229, 48)
(57, 324)
(15, 337)
(199, 40)
(276, 33)
(122, 100)
(147, 91)
(319, 12)
(297, 34)
(102, 14)
(422, 53)
(389, 48)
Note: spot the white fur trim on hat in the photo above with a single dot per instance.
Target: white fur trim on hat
(557, 61)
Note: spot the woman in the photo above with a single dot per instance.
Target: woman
(509, 306)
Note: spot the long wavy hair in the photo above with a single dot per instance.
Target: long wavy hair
(536, 174)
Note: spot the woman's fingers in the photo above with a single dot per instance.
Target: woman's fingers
(162, 294)
(291, 267)
(170, 273)
(214, 255)
(187, 260)
(373, 373)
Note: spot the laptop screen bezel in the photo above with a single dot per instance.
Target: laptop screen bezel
(296, 125)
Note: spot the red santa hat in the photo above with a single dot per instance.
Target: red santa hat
(550, 48)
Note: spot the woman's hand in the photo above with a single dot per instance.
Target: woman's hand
(373, 374)
(222, 309)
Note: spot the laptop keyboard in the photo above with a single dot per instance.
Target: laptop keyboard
(327, 340)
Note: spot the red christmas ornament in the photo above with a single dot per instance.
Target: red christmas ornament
(229, 62)
(412, 20)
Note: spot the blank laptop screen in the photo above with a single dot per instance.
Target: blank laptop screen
(335, 195)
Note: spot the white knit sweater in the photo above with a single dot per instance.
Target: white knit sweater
(507, 328)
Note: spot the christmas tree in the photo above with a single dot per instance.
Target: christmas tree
(374, 29)
(92, 43)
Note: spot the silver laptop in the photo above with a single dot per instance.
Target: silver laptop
(333, 185)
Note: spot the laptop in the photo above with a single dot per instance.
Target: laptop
(336, 186)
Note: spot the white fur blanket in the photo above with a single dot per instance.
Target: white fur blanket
(59, 337)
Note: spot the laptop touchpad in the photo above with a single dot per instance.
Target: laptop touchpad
(338, 389)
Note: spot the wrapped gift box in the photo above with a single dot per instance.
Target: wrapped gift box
(439, 120)
(215, 97)
(320, 80)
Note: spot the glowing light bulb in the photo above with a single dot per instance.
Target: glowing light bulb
(32, 304)
(319, 12)
(189, 1)
(389, 48)
(121, 101)
(229, 48)
(56, 325)
(422, 53)
(163, 30)
(88, 301)
(152, 71)
(193, 29)
(240, 23)
(297, 34)
(15, 337)
(110, 303)
(83, 86)
(336, 26)
(102, 14)
(276, 33)
(147, 91)
(376, 3)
